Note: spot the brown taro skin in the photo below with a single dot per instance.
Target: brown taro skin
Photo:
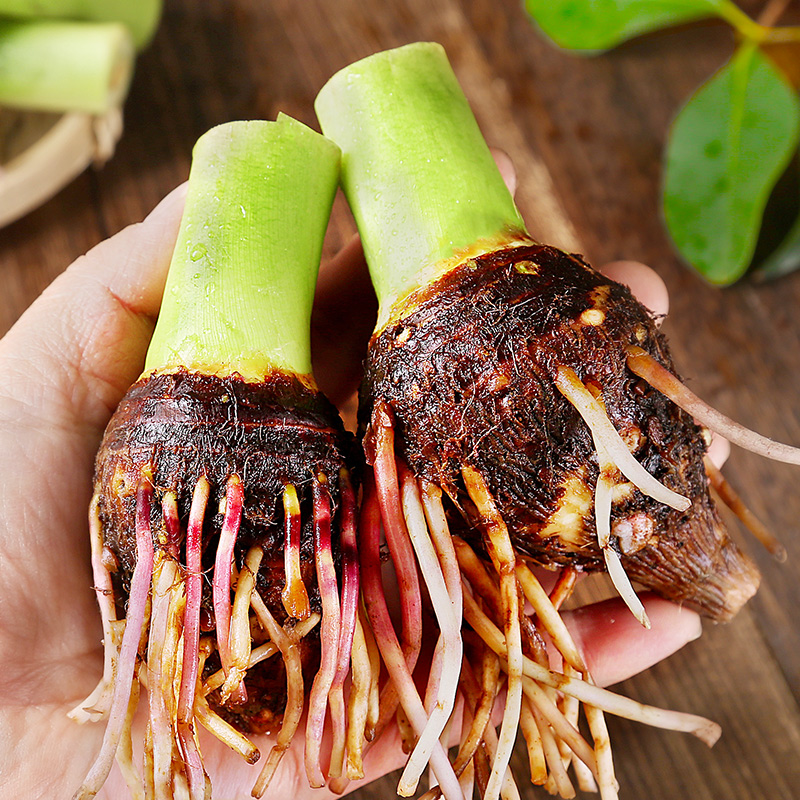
(467, 368)
(184, 425)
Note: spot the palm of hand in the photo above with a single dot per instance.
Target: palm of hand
(63, 369)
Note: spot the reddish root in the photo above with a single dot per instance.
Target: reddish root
(331, 618)
(396, 532)
(645, 366)
(191, 636)
(95, 706)
(126, 663)
(349, 617)
(171, 541)
(221, 585)
(386, 638)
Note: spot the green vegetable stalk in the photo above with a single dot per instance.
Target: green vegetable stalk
(422, 184)
(239, 293)
(64, 66)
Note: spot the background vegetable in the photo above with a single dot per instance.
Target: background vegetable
(64, 66)
(139, 16)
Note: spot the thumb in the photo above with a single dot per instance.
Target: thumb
(75, 351)
(616, 646)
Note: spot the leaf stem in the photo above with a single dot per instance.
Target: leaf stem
(787, 34)
(241, 283)
(747, 27)
(760, 31)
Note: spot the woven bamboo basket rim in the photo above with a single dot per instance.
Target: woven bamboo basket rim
(41, 153)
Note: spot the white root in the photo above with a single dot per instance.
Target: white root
(294, 679)
(602, 505)
(159, 680)
(646, 367)
(558, 781)
(503, 557)
(623, 585)
(239, 635)
(95, 706)
(544, 706)
(261, 653)
(604, 432)
(450, 641)
(589, 694)
(358, 703)
(124, 752)
(226, 733)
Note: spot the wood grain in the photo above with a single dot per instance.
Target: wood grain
(586, 136)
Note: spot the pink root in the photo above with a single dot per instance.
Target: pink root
(350, 589)
(222, 578)
(126, 664)
(329, 633)
(191, 638)
(160, 684)
(397, 534)
(172, 524)
(393, 656)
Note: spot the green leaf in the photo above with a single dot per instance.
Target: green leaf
(726, 150)
(602, 24)
(784, 259)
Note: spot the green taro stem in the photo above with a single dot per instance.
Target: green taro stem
(416, 170)
(64, 66)
(241, 283)
(140, 17)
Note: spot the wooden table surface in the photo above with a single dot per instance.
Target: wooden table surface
(586, 136)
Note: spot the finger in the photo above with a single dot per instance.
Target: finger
(506, 167)
(646, 285)
(615, 646)
(719, 450)
(78, 348)
(342, 320)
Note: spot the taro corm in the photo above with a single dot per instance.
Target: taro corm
(223, 517)
(518, 409)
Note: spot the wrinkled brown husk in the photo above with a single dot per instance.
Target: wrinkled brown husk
(184, 425)
(468, 374)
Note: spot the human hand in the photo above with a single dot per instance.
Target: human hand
(63, 368)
